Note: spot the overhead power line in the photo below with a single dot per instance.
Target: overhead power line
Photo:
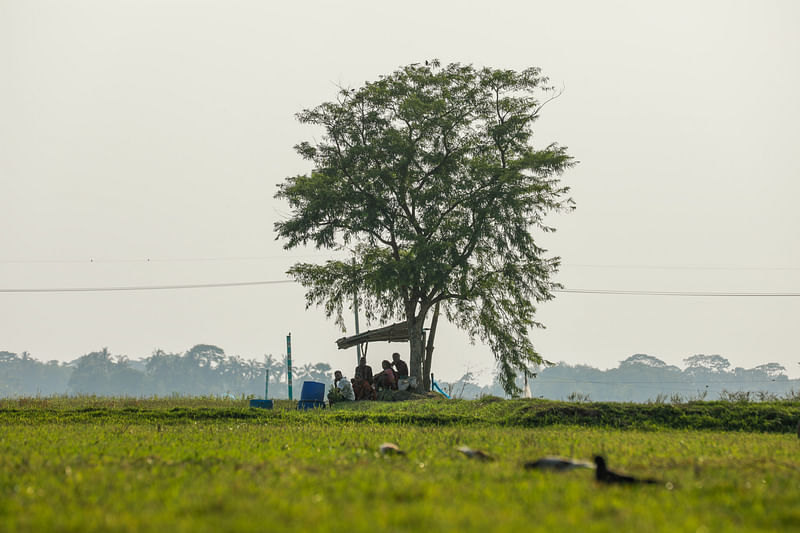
(145, 260)
(680, 293)
(153, 287)
(543, 379)
(285, 281)
(203, 259)
(682, 267)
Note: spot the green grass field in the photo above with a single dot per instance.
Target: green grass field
(209, 465)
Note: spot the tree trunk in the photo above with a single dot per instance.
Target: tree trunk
(426, 370)
(417, 349)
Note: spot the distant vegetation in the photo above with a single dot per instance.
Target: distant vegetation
(207, 370)
(202, 370)
(641, 378)
(644, 378)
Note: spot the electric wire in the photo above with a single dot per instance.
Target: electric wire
(150, 287)
(93, 260)
(201, 259)
(711, 294)
(287, 281)
(682, 267)
(545, 379)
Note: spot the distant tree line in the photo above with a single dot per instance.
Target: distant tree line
(642, 378)
(202, 370)
(206, 370)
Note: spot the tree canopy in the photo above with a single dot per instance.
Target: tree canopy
(707, 363)
(428, 177)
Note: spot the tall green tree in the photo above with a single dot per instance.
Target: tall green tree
(429, 178)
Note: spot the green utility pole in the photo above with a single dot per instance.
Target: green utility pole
(289, 362)
(266, 386)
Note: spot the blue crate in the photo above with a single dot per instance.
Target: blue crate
(305, 405)
(261, 404)
(313, 390)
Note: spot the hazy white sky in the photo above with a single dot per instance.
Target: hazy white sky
(135, 130)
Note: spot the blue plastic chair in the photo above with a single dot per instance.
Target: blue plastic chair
(312, 396)
(313, 390)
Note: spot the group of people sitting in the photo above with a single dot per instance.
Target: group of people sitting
(365, 385)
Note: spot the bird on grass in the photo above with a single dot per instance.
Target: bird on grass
(475, 454)
(604, 475)
(559, 464)
(389, 448)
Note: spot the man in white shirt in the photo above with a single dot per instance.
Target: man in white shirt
(343, 384)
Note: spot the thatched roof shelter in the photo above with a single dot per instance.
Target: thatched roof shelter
(394, 333)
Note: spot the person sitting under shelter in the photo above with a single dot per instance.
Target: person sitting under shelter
(362, 383)
(400, 367)
(344, 387)
(364, 371)
(386, 378)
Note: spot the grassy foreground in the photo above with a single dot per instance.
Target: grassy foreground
(208, 465)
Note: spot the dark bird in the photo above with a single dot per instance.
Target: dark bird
(559, 464)
(604, 475)
(475, 454)
(389, 448)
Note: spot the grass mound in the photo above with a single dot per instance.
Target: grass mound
(772, 417)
